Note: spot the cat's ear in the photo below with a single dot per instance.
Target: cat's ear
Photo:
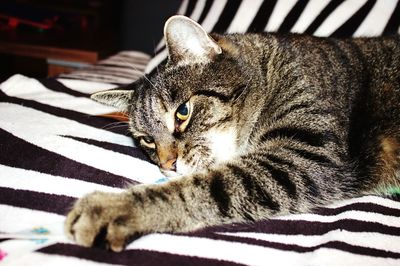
(188, 42)
(118, 98)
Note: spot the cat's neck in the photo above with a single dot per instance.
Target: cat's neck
(256, 51)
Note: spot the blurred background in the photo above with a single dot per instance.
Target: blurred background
(75, 32)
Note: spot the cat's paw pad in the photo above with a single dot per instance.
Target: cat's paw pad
(101, 219)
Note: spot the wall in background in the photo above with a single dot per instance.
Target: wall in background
(101, 26)
(143, 22)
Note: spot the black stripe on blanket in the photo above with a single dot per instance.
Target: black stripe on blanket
(130, 257)
(138, 65)
(360, 206)
(351, 25)
(190, 7)
(339, 245)
(394, 22)
(302, 227)
(323, 15)
(205, 11)
(293, 16)
(227, 16)
(22, 154)
(261, 19)
(60, 204)
(55, 85)
(127, 150)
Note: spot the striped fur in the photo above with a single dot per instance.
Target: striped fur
(306, 121)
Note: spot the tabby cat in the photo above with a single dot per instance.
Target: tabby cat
(254, 125)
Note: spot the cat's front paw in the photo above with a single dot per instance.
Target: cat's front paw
(102, 219)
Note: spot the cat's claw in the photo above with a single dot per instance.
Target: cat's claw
(101, 219)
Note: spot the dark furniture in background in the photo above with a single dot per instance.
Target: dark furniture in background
(40, 38)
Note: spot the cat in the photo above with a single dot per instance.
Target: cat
(251, 126)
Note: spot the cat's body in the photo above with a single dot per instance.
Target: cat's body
(257, 125)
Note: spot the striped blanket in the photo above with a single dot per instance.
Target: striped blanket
(54, 148)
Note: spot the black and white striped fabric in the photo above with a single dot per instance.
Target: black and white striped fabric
(121, 68)
(54, 148)
(336, 18)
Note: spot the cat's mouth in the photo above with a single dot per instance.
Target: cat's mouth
(181, 169)
(171, 174)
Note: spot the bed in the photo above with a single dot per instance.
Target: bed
(57, 145)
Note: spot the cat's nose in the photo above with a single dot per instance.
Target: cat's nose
(167, 156)
(169, 165)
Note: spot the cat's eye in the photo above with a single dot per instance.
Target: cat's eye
(183, 111)
(148, 142)
(182, 116)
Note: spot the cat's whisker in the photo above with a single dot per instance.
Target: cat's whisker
(115, 125)
(199, 162)
(148, 80)
(196, 164)
(141, 71)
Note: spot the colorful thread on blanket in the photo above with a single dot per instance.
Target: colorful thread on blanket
(162, 180)
(3, 254)
(40, 231)
(39, 241)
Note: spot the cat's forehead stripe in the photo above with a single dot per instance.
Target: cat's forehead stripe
(169, 118)
(163, 108)
(154, 108)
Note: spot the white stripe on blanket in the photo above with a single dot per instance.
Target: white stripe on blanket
(367, 199)
(19, 119)
(85, 86)
(381, 12)
(16, 219)
(362, 239)
(244, 16)
(310, 13)
(156, 60)
(212, 17)
(352, 214)
(121, 68)
(214, 249)
(344, 12)
(198, 9)
(279, 13)
(251, 254)
(34, 90)
(36, 258)
(17, 178)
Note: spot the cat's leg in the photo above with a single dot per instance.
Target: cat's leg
(110, 219)
(256, 186)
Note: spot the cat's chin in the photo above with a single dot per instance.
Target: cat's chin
(179, 173)
(171, 174)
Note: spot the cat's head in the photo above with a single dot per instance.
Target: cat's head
(185, 116)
